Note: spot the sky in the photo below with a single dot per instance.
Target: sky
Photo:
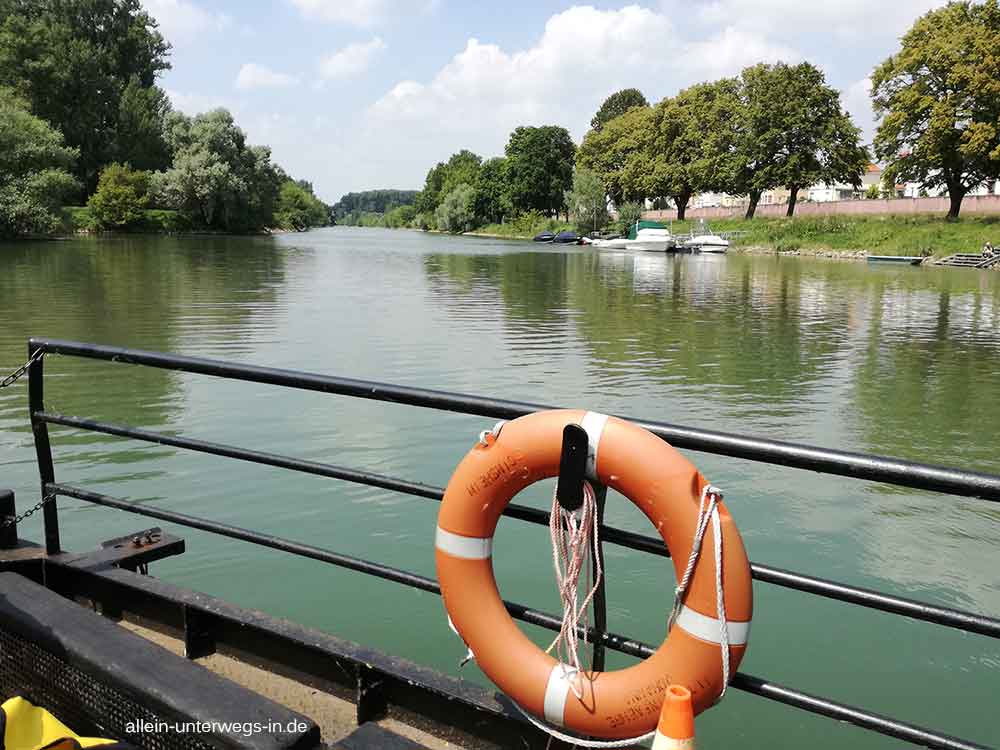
(363, 94)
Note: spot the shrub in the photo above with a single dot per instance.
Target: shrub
(457, 211)
(121, 198)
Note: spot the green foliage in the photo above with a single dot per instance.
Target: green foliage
(349, 209)
(789, 129)
(456, 212)
(613, 152)
(297, 208)
(873, 193)
(628, 214)
(461, 169)
(73, 61)
(525, 226)
(616, 105)
(400, 216)
(587, 201)
(217, 179)
(34, 170)
(138, 135)
(939, 98)
(121, 197)
(539, 168)
(492, 201)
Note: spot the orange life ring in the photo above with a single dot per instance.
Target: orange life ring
(664, 486)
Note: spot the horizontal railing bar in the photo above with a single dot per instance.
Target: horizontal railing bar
(749, 683)
(825, 460)
(946, 616)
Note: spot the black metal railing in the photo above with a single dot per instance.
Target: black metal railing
(855, 465)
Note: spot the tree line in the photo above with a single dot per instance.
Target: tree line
(465, 192)
(772, 126)
(82, 120)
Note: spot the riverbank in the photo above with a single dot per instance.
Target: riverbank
(853, 235)
(844, 237)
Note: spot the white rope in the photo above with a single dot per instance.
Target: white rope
(707, 513)
(485, 435)
(575, 542)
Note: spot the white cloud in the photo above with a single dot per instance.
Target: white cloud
(254, 76)
(582, 56)
(193, 104)
(181, 22)
(351, 60)
(856, 99)
(354, 12)
(857, 18)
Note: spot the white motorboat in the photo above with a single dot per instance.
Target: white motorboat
(705, 241)
(652, 241)
(615, 243)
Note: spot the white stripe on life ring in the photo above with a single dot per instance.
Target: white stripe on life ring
(556, 692)
(593, 423)
(468, 547)
(709, 629)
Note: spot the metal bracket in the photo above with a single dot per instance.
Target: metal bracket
(370, 696)
(131, 551)
(572, 467)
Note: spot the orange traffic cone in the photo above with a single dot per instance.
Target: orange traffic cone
(676, 728)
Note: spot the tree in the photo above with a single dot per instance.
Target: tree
(686, 147)
(297, 208)
(455, 214)
(461, 169)
(789, 129)
(121, 197)
(72, 60)
(34, 170)
(939, 100)
(616, 105)
(218, 180)
(587, 200)
(616, 153)
(492, 203)
(138, 136)
(540, 168)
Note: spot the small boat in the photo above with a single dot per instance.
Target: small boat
(611, 243)
(909, 260)
(566, 238)
(652, 241)
(705, 241)
(544, 237)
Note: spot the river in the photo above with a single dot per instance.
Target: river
(896, 361)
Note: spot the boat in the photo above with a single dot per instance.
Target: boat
(567, 238)
(909, 260)
(611, 243)
(705, 241)
(652, 241)
(544, 237)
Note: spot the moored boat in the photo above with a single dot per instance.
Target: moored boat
(705, 241)
(652, 241)
(909, 260)
(566, 238)
(544, 237)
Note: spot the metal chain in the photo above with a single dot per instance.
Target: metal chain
(11, 520)
(16, 375)
(10, 380)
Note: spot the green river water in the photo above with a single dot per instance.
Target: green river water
(896, 361)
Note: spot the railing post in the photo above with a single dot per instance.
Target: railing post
(600, 600)
(8, 534)
(43, 450)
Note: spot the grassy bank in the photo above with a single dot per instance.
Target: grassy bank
(878, 235)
